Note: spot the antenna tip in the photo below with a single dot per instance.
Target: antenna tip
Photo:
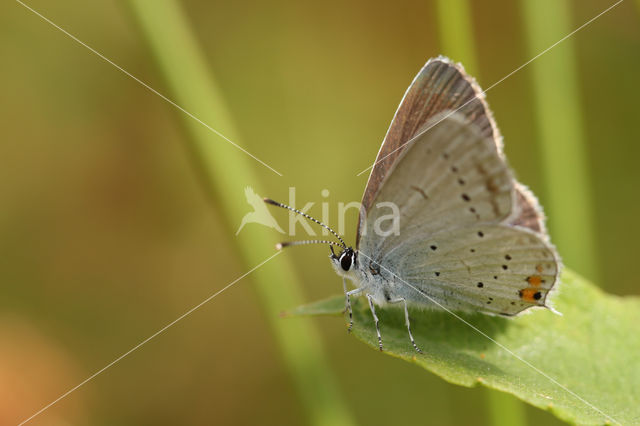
(270, 201)
(280, 246)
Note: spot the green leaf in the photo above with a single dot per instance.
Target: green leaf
(583, 366)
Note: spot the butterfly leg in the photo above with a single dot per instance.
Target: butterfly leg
(406, 318)
(375, 318)
(347, 295)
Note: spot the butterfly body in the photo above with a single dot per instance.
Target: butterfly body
(455, 247)
(470, 238)
(367, 276)
(465, 235)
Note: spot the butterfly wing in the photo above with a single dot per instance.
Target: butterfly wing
(528, 213)
(456, 199)
(495, 269)
(442, 85)
(449, 176)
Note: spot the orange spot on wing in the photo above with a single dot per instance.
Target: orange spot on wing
(539, 268)
(530, 295)
(534, 280)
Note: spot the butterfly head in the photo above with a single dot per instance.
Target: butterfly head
(345, 262)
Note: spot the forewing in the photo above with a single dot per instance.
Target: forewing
(450, 176)
(495, 269)
(440, 85)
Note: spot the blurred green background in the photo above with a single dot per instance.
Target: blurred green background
(107, 233)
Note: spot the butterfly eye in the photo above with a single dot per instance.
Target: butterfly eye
(345, 260)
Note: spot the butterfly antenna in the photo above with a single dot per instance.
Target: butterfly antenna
(280, 246)
(284, 206)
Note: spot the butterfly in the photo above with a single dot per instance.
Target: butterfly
(468, 236)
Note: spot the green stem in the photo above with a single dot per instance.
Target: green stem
(455, 25)
(455, 29)
(225, 171)
(505, 409)
(560, 127)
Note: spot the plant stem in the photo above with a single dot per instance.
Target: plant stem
(505, 409)
(455, 28)
(225, 171)
(559, 121)
(455, 24)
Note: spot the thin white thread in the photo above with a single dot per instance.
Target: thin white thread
(67, 393)
(499, 81)
(74, 38)
(569, 391)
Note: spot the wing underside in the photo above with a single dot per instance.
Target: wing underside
(495, 269)
(442, 85)
(457, 242)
